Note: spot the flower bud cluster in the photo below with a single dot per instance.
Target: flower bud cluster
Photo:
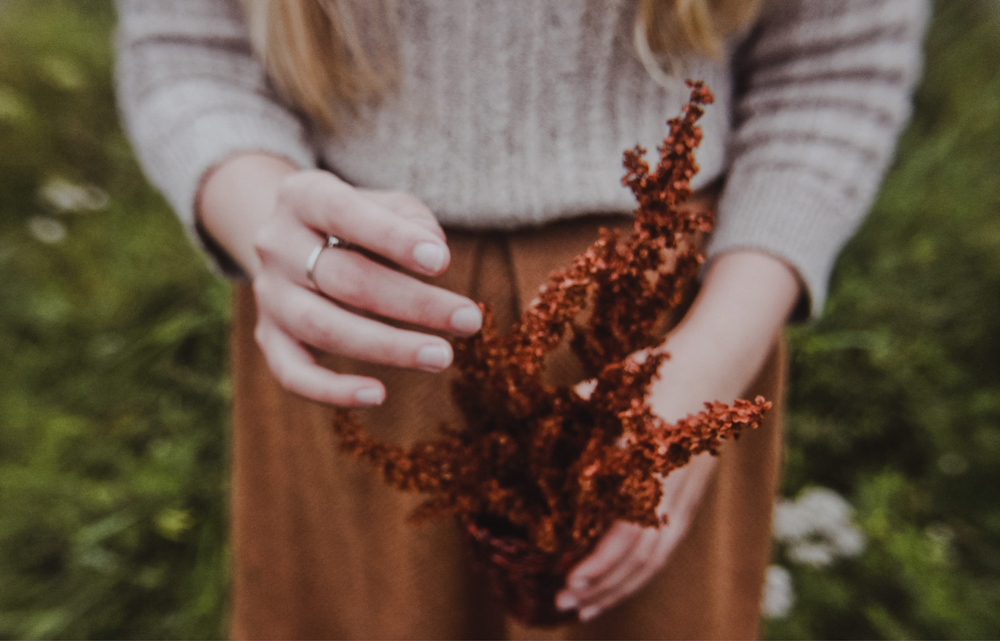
(553, 467)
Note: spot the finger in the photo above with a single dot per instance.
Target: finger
(670, 537)
(316, 321)
(610, 587)
(329, 205)
(408, 207)
(682, 494)
(296, 371)
(358, 281)
(683, 488)
(635, 580)
(608, 552)
(631, 583)
(682, 491)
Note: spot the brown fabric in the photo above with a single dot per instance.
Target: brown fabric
(321, 548)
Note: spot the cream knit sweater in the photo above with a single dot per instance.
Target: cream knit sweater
(516, 112)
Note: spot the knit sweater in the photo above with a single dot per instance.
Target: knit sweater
(510, 114)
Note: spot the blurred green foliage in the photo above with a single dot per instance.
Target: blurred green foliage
(113, 392)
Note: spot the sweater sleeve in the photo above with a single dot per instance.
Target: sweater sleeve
(823, 90)
(192, 94)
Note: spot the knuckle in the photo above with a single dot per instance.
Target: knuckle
(332, 195)
(431, 308)
(336, 188)
(353, 282)
(408, 202)
(290, 189)
(394, 349)
(317, 330)
(386, 345)
(426, 313)
(309, 189)
(393, 199)
(398, 237)
(264, 242)
(308, 322)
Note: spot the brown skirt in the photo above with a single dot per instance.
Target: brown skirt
(321, 546)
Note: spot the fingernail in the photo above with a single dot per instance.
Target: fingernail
(587, 614)
(369, 396)
(578, 583)
(467, 320)
(434, 358)
(430, 256)
(566, 602)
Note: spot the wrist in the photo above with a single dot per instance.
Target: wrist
(724, 339)
(745, 299)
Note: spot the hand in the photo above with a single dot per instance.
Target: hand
(629, 555)
(715, 353)
(302, 208)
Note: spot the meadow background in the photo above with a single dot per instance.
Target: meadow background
(113, 383)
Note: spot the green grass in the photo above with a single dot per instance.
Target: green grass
(113, 391)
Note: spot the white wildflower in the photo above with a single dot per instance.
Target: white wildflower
(63, 195)
(848, 541)
(779, 595)
(818, 554)
(46, 230)
(817, 527)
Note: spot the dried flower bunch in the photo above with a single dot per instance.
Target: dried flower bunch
(540, 461)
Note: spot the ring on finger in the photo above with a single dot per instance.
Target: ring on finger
(329, 243)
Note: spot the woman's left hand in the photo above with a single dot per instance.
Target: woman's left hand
(629, 554)
(715, 353)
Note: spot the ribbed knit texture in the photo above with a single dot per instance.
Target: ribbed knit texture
(516, 113)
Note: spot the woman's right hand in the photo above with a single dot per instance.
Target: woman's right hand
(270, 217)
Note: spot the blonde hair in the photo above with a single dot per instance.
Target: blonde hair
(317, 54)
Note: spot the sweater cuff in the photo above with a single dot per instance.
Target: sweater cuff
(791, 215)
(188, 155)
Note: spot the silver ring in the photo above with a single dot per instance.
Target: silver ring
(329, 243)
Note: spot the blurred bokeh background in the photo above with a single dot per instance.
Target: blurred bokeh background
(113, 383)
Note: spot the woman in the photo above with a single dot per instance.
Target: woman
(502, 123)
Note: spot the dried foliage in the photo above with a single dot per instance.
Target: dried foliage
(540, 461)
